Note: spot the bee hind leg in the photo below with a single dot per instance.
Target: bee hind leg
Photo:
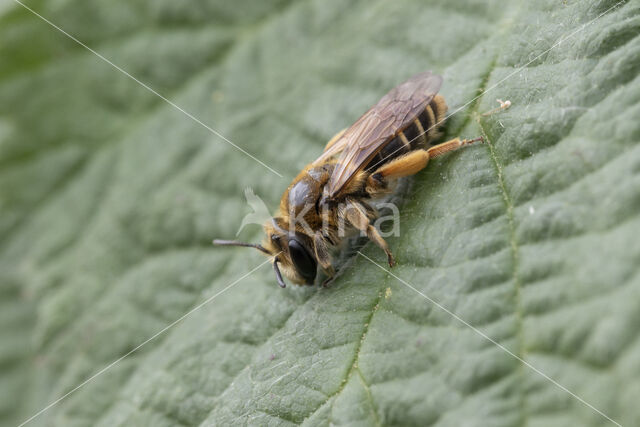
(356, 214)
(452, 145)
(410, 164)
(406, 165)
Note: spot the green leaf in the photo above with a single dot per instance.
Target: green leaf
(110, 196)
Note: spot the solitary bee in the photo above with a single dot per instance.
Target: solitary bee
(332, 197)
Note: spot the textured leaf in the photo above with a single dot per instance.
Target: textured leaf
(110, 198)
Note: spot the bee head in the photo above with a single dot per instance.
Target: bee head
(295, 256)
(292, 252)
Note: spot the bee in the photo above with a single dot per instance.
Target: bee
(333, 197)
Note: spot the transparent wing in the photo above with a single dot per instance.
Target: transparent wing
(377, 127)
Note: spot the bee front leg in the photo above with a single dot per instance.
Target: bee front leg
(323, 256)
(326, 283)
(357, 215)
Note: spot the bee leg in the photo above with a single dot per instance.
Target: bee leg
(326, 283)
(334, 139)
(372, 234)
(410, 164)
(322, 253)
(451, 145)
(356, 214)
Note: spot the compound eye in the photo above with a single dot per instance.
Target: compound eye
(304, 263)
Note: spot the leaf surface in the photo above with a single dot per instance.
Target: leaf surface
(110, 198)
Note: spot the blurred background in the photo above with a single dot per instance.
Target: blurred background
(114, 179)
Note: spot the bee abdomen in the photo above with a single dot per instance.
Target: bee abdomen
(398, 146)
(439, 108)
(421, 131)
(426, 127)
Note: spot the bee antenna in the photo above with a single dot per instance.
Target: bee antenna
(278, 275)
(236, 243)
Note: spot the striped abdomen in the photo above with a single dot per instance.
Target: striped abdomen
(418, 132)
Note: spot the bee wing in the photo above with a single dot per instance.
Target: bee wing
(377, 127)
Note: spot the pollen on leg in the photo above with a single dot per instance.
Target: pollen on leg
(406, 165)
